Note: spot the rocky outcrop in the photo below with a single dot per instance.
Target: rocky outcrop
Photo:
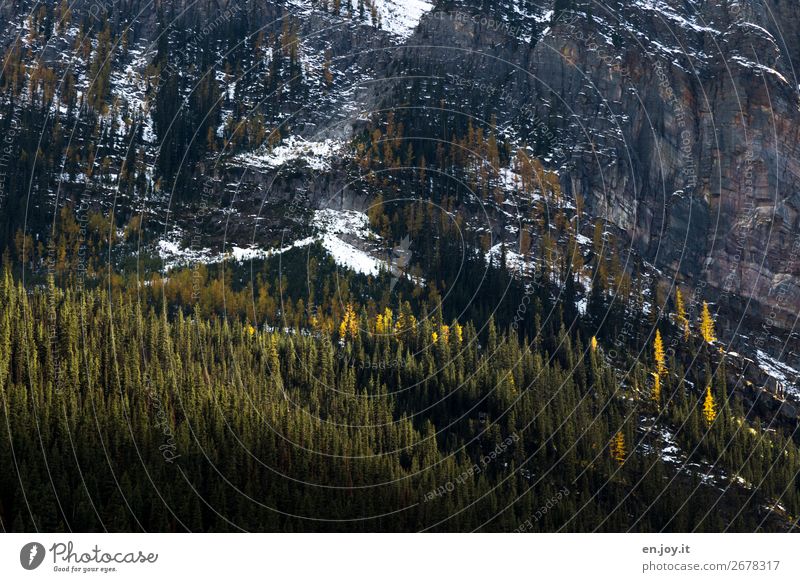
(677, 121)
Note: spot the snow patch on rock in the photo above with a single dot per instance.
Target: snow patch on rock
(316, 154)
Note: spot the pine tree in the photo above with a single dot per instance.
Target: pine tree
(100, 71)
(707, 325)
(231, 380)
(327, 75)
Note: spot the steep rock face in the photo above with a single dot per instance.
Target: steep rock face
(677, 121)
(713, 140)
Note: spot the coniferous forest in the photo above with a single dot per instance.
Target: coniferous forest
(127, 413)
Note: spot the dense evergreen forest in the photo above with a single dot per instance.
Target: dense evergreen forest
(125, 410)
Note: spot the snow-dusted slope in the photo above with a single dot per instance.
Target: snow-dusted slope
(344, 234)
(400, 17)
(315, 153)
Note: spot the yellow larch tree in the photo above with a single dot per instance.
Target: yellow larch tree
(352, 328)
(379, 327)
(594, 343)
(619, 450)
(349, 325)
(658, 354)
(459, 333)
(709, 407)
(656, 387)
(411, 322)
(384, 321)
(707, 325)
(681, 318)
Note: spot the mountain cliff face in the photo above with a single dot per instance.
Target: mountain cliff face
(674, 121)
(677, 121)
(704, 172)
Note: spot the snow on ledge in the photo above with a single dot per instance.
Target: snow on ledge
(334, 228)
(401, 17)
(397, 17)
(317, 154)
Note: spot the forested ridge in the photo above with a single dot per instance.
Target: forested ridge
(124, 413)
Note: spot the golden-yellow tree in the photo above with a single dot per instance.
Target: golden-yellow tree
(594, 343)
(384, 321)
(680, 307)
(709, 407)
(707, 325)
(619, 450)
(349, 325)
(656, 387)
(658, 354)
(406, 321)
(459, 330)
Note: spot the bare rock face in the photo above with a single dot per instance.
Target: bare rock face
(678, 121)
(705, 180)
